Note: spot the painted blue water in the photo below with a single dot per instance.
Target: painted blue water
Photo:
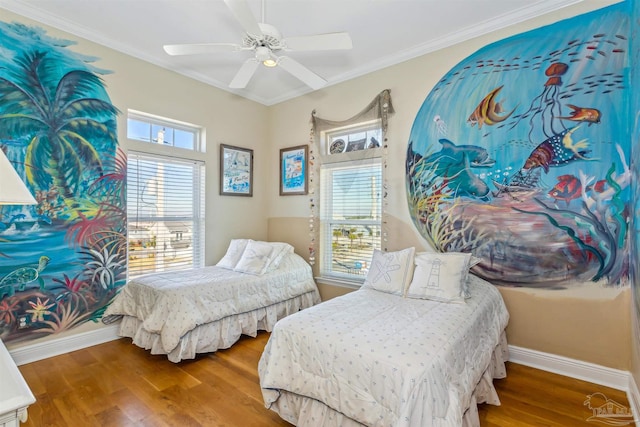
(24, 244)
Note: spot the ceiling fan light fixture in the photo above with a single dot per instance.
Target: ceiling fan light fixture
(266, 42)
(270, 62)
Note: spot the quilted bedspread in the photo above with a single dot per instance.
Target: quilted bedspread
(385, 360)
(171, 304)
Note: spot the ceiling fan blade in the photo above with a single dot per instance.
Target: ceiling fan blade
(243, 14)
(198, 48)
(329, 41)
(301, 72)
(244, 74)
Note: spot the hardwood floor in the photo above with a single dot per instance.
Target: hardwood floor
(119, 384)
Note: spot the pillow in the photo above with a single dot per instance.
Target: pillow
(390, 272)
(280, 251)
(255, 258)
(465, 285)
(234, 253)
(440, 276)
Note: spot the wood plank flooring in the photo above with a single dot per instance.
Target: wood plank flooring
(118, 384)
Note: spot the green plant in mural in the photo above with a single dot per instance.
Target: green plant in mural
(102, 224)
(104, 266)
(58, 115)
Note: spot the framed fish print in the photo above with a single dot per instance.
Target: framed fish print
(293, 170)
(236, 171)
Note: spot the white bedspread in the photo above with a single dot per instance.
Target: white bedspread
(171, 304)
(384, 360)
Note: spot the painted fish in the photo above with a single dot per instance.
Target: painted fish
(568, 188)
(580, 114)
(557, 150)
(488, 111)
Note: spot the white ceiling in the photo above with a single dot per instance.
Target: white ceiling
(384, 32)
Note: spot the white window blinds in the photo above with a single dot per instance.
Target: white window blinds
(350, 217)
(165, 211)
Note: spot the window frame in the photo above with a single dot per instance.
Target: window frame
(168, 155)
(364, 158)
(165, 123)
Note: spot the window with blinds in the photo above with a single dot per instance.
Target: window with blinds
(350, 217)
(165, 211)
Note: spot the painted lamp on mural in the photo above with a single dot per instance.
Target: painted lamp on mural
(14, 192)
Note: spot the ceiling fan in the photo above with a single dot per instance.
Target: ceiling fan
(265, 41)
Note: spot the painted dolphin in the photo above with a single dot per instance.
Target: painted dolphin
(478, 157)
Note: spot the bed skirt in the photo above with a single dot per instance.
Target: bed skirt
(304, 411)
(220, 334)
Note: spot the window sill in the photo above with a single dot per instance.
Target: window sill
(340, 282)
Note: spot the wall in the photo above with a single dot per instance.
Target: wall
(592, 326)
(137, 85)
(634, 113)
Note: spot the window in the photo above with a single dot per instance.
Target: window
(165, 206)
(354, 139)
(350, 202)
(141, 127)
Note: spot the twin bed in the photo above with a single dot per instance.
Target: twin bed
(419, 344)
(183, 313)
(375, 359)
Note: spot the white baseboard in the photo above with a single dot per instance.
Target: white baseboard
(633, 395)
(46, 349)
(597, 374)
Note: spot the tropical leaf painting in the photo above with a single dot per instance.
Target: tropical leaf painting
(521, 155)
(63, 259)
(635, 165)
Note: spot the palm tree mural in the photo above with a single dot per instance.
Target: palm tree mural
(57, 119)
(57, 116)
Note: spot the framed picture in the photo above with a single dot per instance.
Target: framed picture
(293, 170)
(236, 171)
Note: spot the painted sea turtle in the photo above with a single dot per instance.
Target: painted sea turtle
(19, 278)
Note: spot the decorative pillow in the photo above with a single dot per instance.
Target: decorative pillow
(255, 258)
(234, 253)
(390, 272)
(280, 251)
(465, 284)
(440, 276)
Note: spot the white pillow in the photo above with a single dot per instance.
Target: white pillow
(390, 272)
(465, 285)
(440, 276)
(280, 251)
(234, 253)
(255, 258)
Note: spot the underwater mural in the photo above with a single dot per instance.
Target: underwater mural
(520, 155)
(635, 162)
(63, 259)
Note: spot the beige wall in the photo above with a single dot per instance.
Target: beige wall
(588, 323)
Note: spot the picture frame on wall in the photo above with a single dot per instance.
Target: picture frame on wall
(294, 170)
(236, 171)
